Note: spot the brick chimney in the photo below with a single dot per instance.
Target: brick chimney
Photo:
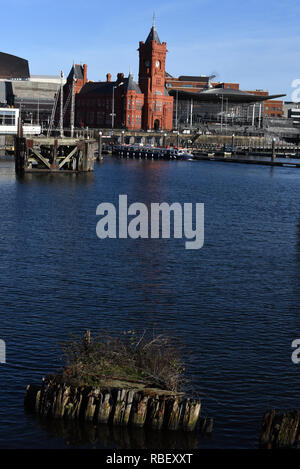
(120, 77)
(108, 77)
(84, 73)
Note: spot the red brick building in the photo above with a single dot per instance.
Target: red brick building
(124, 103)
(271, 107)
(158, 105)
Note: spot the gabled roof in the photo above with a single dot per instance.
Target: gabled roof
(100, 87)
(130, 84)
(77, 71)
(153, 36)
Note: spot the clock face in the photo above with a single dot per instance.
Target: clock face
(157, 64)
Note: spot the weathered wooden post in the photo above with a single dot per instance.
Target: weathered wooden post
(279, 430)
(54, 154)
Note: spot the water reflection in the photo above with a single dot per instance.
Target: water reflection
(104, 436)
(59, 178)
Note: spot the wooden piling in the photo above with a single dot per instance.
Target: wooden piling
(279, 430)
(122, 406)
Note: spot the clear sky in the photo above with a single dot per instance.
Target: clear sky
(253, 42)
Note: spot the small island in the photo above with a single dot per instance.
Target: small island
(127, 380)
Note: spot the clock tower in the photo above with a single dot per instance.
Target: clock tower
(158, 105)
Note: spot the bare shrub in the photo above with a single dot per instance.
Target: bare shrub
(148, 358)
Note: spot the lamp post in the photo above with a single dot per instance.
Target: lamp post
(113, 105)
(176, 110)
(122, 138)
(222, 111)
(232, 143)
(177, 138)
(165, 140)
(273, 149)
(100, 146)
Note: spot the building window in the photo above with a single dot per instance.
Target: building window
(129, 104)
(7, 118)
(91, 117)
(267, 108)
(129, 120)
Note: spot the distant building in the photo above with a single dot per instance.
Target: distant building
(291, 110)
(160, 101)
(231, 105)
(13, 67)
(33, 95)
(158, 105)
(294, 113)
(124, 103)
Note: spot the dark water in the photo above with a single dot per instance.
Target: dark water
(234, 304)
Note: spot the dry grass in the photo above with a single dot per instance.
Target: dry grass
(148, 358)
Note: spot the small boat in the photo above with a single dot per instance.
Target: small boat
(184, 155)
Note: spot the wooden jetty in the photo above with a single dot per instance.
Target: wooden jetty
(229, 158)
(267, 155)
(117, 403)
(54, 155)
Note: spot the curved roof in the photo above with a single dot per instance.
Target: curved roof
(13, 67)
(217, 94)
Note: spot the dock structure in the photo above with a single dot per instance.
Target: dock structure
(54, 155)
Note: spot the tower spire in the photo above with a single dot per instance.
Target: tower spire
(153, 36)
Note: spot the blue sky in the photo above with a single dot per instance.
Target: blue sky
(255, 43)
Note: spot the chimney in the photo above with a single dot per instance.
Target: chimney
(108, 77)
(84, 73)
(120, 77)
